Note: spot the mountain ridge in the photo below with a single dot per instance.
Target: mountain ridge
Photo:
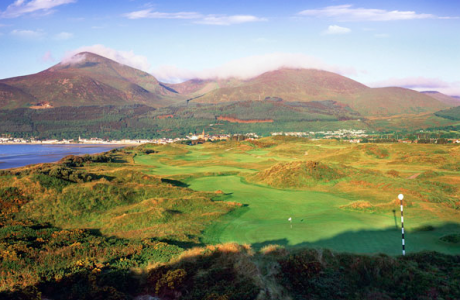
(90, 79)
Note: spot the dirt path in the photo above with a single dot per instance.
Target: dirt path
(414, 176)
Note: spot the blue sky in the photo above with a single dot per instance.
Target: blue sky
(414, 44)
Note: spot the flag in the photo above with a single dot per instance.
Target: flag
(290, 219)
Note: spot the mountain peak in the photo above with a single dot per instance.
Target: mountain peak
(81, 60)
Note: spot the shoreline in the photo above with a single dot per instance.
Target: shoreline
(51, 154)
(73, 144)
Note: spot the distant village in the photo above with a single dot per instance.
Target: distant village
(193, 139)
(347, 135)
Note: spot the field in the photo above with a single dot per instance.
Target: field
(180, 222)
(353, 213)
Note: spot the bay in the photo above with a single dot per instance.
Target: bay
(13, 156)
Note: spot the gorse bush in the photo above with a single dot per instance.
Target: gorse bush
(299, 174)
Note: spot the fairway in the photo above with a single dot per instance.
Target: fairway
(318, 216)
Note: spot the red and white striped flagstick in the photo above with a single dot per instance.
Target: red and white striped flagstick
(401, 197)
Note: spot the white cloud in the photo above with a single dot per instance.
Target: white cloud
(22, 7)
(229, 20)
(334, 29)
(421, 84)
(382, 35)
(349, 13)
(123, 57)
(248, 67)
(63, 36)
(150, 14)
(28, 34)
(200, 18)
(47, 57)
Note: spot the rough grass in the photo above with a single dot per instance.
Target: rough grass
(121, 201)
(235, 272)
(299, 174)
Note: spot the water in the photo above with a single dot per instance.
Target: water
(13, 156)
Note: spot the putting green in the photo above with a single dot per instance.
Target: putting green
(316, 221)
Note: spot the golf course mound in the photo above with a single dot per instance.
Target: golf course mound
(298, 174)
(359, 206)
(366, 206)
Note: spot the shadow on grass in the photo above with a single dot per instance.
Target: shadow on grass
(174, 182)
(387, 241)
(183, 244)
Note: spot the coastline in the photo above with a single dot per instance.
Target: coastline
(25, 154)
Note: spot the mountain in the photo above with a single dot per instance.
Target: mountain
(288, 84)
(449, 100)
(196, 88)
(90, 79)
(87, 79)
(305, 85)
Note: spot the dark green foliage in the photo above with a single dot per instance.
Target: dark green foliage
(344, 276)
(140, 121)
(80, 161)
(451, 113)
(213, 276)
(81, 260)
(51, 182)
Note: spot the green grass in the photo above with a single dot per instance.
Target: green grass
(318, 219)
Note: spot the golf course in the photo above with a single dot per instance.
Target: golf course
(276, 216)
(353, 210)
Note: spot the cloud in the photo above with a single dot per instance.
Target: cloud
(47, 57)
(22, 7)
(334, 29)
(382, 35)
(63, 36)
(123, 57)
(421, 84)
(199, 18)
(349, 13)
(28, 34)
(248, 67)
(229, 20)
(150, 14)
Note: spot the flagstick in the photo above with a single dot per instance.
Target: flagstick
(401, 197)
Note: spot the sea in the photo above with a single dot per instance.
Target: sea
(13, 156)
